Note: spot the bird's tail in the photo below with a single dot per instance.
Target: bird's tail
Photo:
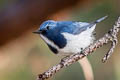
(97, 21)
(101, 19)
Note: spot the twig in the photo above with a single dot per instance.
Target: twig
(111, 36)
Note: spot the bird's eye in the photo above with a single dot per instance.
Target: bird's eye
(47, 27)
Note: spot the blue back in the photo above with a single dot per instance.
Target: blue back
(72, 27)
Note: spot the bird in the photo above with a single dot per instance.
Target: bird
(67, 37)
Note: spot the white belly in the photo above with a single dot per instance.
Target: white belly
(76, 42)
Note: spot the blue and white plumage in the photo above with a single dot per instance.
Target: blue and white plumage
(67, 37)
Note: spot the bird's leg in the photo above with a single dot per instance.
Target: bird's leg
(81, 52)
(81, 49)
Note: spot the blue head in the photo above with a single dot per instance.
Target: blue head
(51, 26)
(50, 32)
(46, 26)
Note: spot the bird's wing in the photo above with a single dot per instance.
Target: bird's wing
(73, 27)
(77, 27)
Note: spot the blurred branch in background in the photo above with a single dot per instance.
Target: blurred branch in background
(23, 15)
(87, 68)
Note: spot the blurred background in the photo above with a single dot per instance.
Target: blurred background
(23, 54)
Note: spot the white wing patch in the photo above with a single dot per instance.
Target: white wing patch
(76, 42)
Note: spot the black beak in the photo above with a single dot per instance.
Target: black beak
(37, 32)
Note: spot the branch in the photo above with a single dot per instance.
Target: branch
(111, 36)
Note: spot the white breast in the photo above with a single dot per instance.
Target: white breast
(76, 42)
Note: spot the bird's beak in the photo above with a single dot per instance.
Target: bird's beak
(37, 32)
